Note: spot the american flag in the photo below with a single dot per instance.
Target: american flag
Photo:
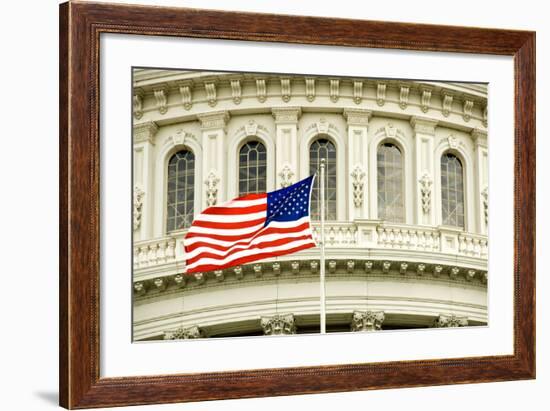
(250, 228)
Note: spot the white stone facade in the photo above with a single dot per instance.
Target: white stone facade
(380, 274)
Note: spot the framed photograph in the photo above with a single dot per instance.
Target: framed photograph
(260, 205)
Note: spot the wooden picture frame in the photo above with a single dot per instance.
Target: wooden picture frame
(80, 27)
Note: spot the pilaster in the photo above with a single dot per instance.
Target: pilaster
(423, 170)
(358, 154)
(143, 145)
(286, 145)
(481, 196)
(213, 126)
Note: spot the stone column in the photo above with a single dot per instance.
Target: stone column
(184, 333)
(444, 321)
(286, 145)
(423, 171)
(143, 143)
(367, 320)
(481, 196)
(214, 155)
(278, 324)
(358, 154)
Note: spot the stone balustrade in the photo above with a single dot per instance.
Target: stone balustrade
(361, 234)
(154, 252)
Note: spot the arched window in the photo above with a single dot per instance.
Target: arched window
(390, 183)
(452, 191)
(252, 168)
(181, 190)
(319, 149)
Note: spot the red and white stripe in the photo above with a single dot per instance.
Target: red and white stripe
(234, 233)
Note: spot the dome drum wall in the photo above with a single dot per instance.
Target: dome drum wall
(416, 270)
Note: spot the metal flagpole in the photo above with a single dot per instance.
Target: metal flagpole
(322, 262)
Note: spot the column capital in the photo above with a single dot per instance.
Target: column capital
(367, 320)
(479, 136)
(444, 321)
(357, 116)
(423, 125)
(278, 325)
(286, 115)
(145, 132)
(184, 333)
(213, 120)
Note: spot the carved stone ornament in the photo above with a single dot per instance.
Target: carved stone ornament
(286, 115)
(468, 107)
(261, 90)
(186, 94)
(485, 116)
(286, 175)
(391, 131)
(138, 104)
(453, 141)
(357, 92)
(213, 121)
(322, 126)
(357, 116)
(367, 320)
(358, 184)
(251, 128)
(286, 91)
(211, 94)
(310, 89)
(278, 325)
(485, 202)
(138, 204)
(184, 333)
(236, 92)
(211, 183)
(425, 100)
(426, 192)
(334, 90)
(423, 125)
(447, 104)
(444, 321)
(161, 96)
(381, 94)
(145, 132)
(404, 97)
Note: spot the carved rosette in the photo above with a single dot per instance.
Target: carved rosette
(286, 175)
(358, 184)
(184, 333)
(278, 325)
(211, 183)
(367, 320)
(426, 192)
(138, 204)
(444, 321)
